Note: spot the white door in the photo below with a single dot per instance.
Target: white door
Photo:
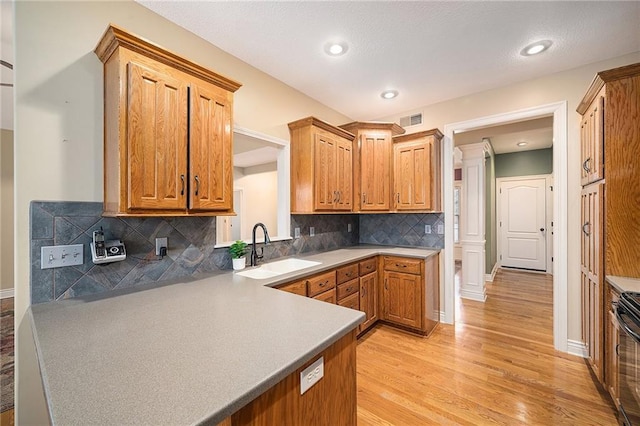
(522, 224)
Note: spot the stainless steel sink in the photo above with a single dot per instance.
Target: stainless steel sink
(273, 269)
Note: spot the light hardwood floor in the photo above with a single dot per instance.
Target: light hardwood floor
(497, 365)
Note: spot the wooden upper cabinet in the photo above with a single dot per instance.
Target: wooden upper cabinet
(156, 139)
(167, 131)
(416, 167)
(372, 164)
(210, 148)
(592, 141)
(321, 167)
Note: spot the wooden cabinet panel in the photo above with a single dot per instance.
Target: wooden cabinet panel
(592, 274)
(592, 141)
(369, 299)
(160, 148)
(348, 288)
(210, 149)
(611, 346)
(351, 302)
(157, 139)
(321, 167)
(367, 266)
(321, 283)
(403, 299)
(346, 273)
(299, 287)
(327, 296)
(401, 264)
(416, 171)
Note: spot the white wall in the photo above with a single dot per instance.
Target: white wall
(59, 121)
(568, 85)
(260, 189)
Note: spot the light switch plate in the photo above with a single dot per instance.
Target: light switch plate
(312, 231)
(57, 256)
(440, 229)
(349, 227)
(311, 375)
(296, 232)
(427, 229)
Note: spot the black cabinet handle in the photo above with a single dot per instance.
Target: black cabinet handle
(197, 184)
(182, 179)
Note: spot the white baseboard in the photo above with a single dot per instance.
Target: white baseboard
(442, 318)
(492, 275)
(473, 295)
(5, 294)
(575, 347)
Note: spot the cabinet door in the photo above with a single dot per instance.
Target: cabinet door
(327, 296)
(325, 190)
(344, 175)
(210, 149)
(369, 299)
(412, 175)
(592, 141)
(156, 139)
(375, 171)
(591, 272)
(402, 299)
(612, 362)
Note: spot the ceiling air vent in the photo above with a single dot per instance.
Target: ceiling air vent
(411, 120)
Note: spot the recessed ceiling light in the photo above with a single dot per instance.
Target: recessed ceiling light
(522, 143)
(336, 49)
(535, 48)
(389, 94)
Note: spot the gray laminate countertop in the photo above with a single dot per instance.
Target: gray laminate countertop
(185, 352)
(623, 284)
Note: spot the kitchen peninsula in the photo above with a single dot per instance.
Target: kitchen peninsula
(199, 351)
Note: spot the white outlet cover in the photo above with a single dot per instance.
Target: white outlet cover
(440, 229)
(349, 227)
(312, 231)
(311, 375)
(296, 233)
(427, 229)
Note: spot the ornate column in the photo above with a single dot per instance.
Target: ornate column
(472, 224)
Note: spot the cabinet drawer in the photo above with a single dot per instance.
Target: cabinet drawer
(351, 302)
(348, 288)
(327, 296)
(346, 273)
(321, 283)
(400, 264)
(367, 266)
(299, 287)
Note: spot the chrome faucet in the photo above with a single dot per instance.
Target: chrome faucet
(255, 256)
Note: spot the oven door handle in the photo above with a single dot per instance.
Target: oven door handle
(626, 327)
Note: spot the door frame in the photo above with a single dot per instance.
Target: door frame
(548, 220)
(560, 210)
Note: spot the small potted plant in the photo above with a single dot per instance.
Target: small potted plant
(238, 250)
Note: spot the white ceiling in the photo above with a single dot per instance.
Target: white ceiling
(429, 51)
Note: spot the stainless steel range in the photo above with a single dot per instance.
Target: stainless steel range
(628, 317)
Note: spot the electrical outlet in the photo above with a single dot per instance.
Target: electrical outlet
(296, 233)
(349, 227)
(161, 243)
(57, 256)
(427, 229)
(311, 375)
(440, 229)
(312, 231)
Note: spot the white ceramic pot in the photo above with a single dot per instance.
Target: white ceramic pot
(239, 264)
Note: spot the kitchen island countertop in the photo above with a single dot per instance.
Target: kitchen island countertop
(187, 352)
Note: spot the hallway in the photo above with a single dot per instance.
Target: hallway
(497, 365)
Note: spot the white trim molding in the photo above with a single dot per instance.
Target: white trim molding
(560, 200)
(6, 293)
(491, 275)
(575, 347)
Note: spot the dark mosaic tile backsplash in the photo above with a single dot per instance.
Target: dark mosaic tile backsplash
(191, 244)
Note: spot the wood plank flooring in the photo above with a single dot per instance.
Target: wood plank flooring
(497, 365)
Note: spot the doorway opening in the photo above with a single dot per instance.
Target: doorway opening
(559, 129)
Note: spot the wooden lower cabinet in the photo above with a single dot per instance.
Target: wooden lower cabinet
(369, 299)
(408, 296)
(611, 347)
(331, 401)
(411, 293)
